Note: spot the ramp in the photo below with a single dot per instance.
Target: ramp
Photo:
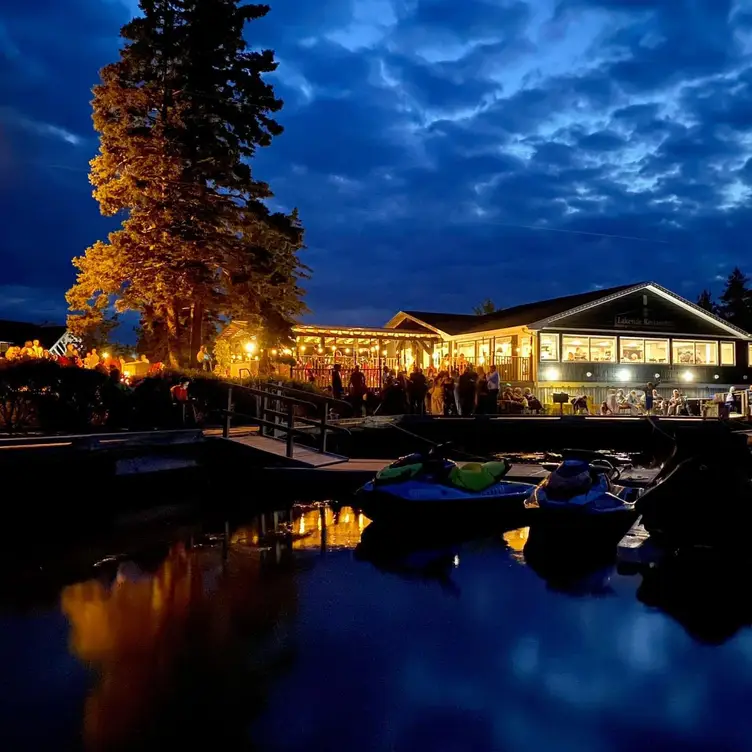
(276, 449)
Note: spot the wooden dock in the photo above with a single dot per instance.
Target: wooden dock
(346, 477)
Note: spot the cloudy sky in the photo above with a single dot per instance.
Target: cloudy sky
(439, 152)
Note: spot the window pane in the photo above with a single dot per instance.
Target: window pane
(603, 349)
(728, 353)
(525, 347)
(683, 352)
(575, 349)
(656, 351)
(632, 351)
(549, 346)
(749, 355)
(706, 353)
(503, 347)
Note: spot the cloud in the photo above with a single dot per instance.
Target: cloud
(439, 152)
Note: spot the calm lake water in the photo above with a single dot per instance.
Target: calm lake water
(301, 644)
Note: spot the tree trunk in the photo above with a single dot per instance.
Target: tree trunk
(173, 335)
(197, 331)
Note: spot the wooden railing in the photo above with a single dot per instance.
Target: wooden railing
(278, 412)
(322, 376)
(514, 368)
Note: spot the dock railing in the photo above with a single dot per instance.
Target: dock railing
(277, 414)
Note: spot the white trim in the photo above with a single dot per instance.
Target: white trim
(401, 316)
(658, 290)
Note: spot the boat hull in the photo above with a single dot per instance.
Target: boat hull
(439, 505)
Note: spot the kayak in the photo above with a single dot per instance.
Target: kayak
(582, 495)
(429, 489)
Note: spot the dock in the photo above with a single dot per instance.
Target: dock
(346, 477)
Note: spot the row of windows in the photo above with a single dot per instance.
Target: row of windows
(578, 349)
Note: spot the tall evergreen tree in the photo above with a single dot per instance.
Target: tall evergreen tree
(735, 302)
(180, 116)
(705, 301)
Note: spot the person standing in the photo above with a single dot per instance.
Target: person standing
(493, 390)
(203, 358)
(337, 388)
(358, 390)
(416, 388)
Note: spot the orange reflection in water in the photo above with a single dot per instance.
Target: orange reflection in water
(145, 633)
(516, 540)
(334, 530)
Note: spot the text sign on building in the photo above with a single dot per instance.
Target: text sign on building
(645, 321)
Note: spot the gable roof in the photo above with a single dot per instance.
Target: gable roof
(449, 323)
(545, 312)
(528, 313)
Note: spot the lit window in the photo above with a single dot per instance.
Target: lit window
(503, 347)
(656, 351)
(603, 349)
(749, 355)
(575, 349)
(728, 354)
(695, 353)
(578, 349)
(631, 350)
(706, 353)
(549, 346)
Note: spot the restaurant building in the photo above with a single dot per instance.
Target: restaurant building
(621, 337)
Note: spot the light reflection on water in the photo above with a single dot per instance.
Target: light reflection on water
(276, 644)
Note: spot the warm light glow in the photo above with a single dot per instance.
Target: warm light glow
(716, 376)
(302, 348)
(320, 350)
(249, 347)
(383, 352)
(105, 355)
(552, 373)
(624, 375)
(588, 374)
(274, 352)
(347, 350)
(128, 374)
(657, 375)
(688, 376)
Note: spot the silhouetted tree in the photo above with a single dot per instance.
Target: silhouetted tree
(180, 115)
(705, 301)
(487, 306)
(735, 302)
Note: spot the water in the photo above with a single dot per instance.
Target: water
(294, 643)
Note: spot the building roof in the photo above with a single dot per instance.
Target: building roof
(18, 332)
(527, 313)
(546, 312)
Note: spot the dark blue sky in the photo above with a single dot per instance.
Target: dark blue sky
(425, 142)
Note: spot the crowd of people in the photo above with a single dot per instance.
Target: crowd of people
(465, 392)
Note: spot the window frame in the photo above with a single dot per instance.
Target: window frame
(695, 342)
(557, 341)
(645, 341)
(732, 345)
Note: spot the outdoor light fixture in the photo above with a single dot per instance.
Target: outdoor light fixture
(624, 375)
(321, 349)
(588, 374)
(716, 376)
(383, 352)
(250, 347)
(105, 355)
(552, 374)
(657, 375)
(688, 376)
(302, 348)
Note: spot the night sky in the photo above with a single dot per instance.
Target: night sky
(439, 152)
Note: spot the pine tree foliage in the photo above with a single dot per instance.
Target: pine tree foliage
(487, 306)
(180, 117)
(706, 302)
(735, 302)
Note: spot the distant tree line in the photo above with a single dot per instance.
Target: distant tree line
(734, 304)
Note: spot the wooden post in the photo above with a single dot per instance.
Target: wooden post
(290, 434)
(324, 418)
(226, 427)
